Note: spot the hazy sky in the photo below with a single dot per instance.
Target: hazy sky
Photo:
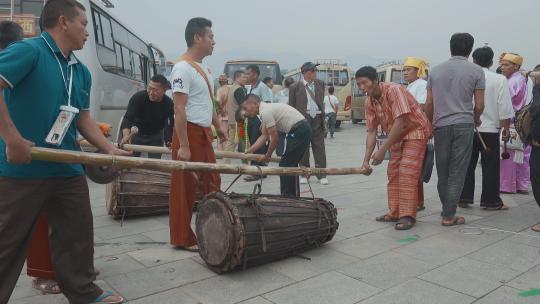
(389, 29)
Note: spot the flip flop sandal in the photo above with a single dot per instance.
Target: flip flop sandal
(103, 298)
(536, 228)
(457, 220)
(46, 286)
(501, 207)
(405, 223)
(193, 248)
(385, 219)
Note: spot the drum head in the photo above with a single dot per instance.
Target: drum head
(218, 237)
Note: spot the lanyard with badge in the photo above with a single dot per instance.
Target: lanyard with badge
(67, 112)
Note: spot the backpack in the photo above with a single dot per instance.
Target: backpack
(522, 122)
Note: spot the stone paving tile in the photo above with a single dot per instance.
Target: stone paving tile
(527, 214)
(53, 299)
(116, 264)
(140, 283)
(257, 300)
(527, 237)
(320, 260)
(121, 245)
(130, 227)
(182, 272)
(237, 286)
(386, 270)
(160, 255)
(419, 292)
(470, 277)
(331, 287)
(24, 289)
(358, 225)
(366, 246)
(509, 254)
(528, 280)
(420, 231)
(173, 296)
(104, 221)
(449, 245)
(161, 235)
(507, 295)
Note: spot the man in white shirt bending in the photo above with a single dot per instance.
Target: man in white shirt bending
(497, 114)
(275, 118)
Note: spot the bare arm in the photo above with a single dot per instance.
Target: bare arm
(89, 129)
(260, 141)
(478, 105)
(272, 132)
(428, 107)
(370, 146)
(180, 125)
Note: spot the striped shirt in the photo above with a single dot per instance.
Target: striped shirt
(394, 102)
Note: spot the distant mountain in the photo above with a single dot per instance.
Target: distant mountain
(287, 61)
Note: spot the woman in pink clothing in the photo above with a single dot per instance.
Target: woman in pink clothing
(515, 172)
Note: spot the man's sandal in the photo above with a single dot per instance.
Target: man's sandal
(108, 297)
(536, 228)
(501, 207)
(405, 223)
(194, 248)
(456, 220)
(46, 286)
(385, 219)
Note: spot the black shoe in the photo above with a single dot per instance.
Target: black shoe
(252, 178)
(464, 205)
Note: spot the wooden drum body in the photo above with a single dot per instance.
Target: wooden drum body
(236, 231)
(139, 192)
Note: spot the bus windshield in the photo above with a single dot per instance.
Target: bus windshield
(267, 70)
(333, 77)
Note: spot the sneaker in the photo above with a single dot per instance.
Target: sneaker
(303, 180)
(323, 181)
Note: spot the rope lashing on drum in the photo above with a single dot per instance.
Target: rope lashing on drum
(256, 191)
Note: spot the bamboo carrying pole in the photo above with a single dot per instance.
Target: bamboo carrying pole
(165, 150)
(124, 162)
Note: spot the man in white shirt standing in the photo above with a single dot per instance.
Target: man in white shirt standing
(497, 114)
(331, 103)
(193, 97)
(414, 72)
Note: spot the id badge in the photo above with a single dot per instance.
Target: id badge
(61, 125)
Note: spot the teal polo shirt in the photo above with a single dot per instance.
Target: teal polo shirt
(37, 90)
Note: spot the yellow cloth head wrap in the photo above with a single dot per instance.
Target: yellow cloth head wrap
(418, 63)
(513, 58)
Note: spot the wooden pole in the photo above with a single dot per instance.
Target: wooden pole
(165, 150)
(124, 162)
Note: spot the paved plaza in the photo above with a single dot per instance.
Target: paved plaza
(494, 259)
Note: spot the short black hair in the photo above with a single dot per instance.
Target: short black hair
(253, 96)
(483, 56)
(537, 67)
(10, 32)
(461, 44)
(498, 70)
(162, 80)
(254, 68)
(331, 90)
(238, 74)
(53, 9)
(266, 80)
(367, 71)
(288, 81)
(196, 26)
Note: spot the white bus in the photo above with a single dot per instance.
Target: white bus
(121, 63)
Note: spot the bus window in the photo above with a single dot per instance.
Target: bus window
(126, 60)
(119, 65)
(137, 68)
(343, 78)
(382, 76)
(397, 76)
(107, 32)
(97, 28)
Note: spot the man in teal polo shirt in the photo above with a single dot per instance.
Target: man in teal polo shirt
(39, 76)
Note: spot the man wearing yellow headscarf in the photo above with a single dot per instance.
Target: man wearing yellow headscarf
(414, 70)
(515, 172)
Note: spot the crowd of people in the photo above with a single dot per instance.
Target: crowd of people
(461, 107)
